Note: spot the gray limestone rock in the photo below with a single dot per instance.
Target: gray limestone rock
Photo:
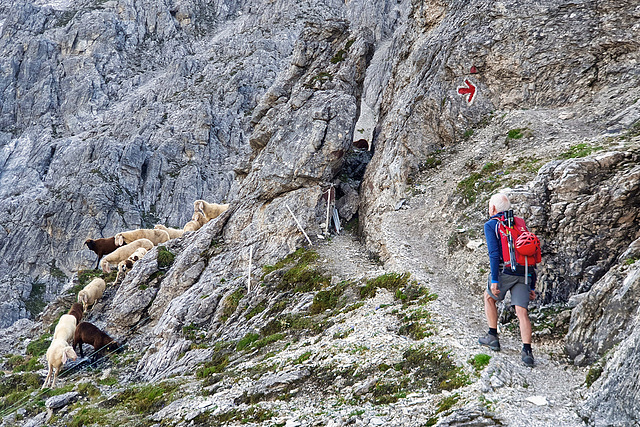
(62, 400)
(605, 317)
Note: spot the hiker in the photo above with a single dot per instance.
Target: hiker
(503, 278)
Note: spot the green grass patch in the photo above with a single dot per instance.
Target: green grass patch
(579, 150)
(295, 323)
(447, 403)
(433, 368)
(479, 361)
(36, 303)
(268, 340)
(90, 416)
(147, 399)
(88, 389)
(247, 340)
(259, 308)
(517, 133)
(253, 414)
(389, 281)
(302, 276)
(231, 303)
(488, 179)
(219, 360)
(327, 300)
(304, 356)
(109, 381)
(23, 364)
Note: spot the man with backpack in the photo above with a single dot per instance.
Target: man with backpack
(513, 253)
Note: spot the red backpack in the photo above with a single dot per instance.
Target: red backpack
(517, 242)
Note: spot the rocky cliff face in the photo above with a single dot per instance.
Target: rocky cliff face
(117, 115)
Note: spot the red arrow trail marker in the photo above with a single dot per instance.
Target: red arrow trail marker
(469, 90)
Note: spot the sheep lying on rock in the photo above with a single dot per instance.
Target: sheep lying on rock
(124, 252)
(76, 311)
(87, 333)
(174, 233)
(197, 221)
(92, 292)
(102, 246)
(154, 235)
(127, 264)
(57, 355)
(209, 210)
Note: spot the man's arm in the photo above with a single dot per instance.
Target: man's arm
(493, 246)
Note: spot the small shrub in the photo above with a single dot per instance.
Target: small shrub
(593, 374)
(165, 258)
(338, 57)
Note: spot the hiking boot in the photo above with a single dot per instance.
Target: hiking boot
(490, 341)
(527, 357)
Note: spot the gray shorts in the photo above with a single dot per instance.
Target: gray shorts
(515, 284)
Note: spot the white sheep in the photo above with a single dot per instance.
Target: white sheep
(124, 252)
(174, 233)
(57, 355)
(197, 221)
(92, 292)
(66, 327)
(209, 210)
(127, 264)
(154, 235)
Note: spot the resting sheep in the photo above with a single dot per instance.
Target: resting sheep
(57, 355)
(102, 246)
(155, 236)
(197, 221)
(124, 252)
(65, 328)
(76, 311)
(92, 292)
(209, 210)
(174, 233)
(87, 333)
(127, 264)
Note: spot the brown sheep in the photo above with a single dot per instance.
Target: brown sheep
(87, 333)
(76, 310)
(102, 247)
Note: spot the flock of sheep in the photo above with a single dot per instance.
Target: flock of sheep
(123, 250)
